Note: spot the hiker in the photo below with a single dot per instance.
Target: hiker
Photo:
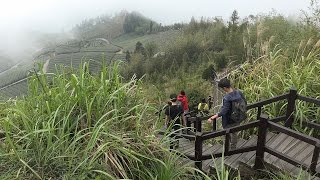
(229, 119)
(173, 117)
(184, 102)
(173, 113)
(203, 107)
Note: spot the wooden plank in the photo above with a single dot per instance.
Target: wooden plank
(215, 148)
(286, 142)
(241, 143)
(251, 156)
(296, 169)
(293, 133)
(276, 143)
(226, 158)
(251, 141)
(296, 148)
(303, 156)
(186, 147)
(185, 143)
(209, 162)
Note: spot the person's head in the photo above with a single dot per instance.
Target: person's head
(182, 92)
(224, 84)
(173, 97)
(203, 100)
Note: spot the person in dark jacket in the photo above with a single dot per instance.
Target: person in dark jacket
(226, 110)
(174, 113)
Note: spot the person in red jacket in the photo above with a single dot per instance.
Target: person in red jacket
(184, 102)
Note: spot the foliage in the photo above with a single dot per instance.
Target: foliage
(135, 22)
(84, 127)
(209, 73)
(275, 73)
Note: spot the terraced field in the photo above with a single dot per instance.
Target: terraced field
(67, 49)
(13, 82)
(74, 60)
(5, 62)
(162, 39)
(14, 90)
(108, 48)
(16, 73)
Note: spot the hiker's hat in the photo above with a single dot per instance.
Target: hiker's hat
(173, 97)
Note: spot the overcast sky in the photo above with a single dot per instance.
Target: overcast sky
(20, 16)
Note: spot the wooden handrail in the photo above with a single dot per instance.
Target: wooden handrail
(268, 101)
(311, 124)
(231, 152)
(210, 135)
(308, 99)
(278, 119)
(293, 133)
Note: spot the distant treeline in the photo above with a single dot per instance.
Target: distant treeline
(211, 44)
(112, 26)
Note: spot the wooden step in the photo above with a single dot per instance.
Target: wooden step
(217, 162)
(249, 157)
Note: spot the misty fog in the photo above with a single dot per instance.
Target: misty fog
(27, 26)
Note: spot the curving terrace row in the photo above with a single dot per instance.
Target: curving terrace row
(13, 82)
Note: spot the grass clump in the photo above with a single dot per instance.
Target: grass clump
(276, 72)
(74, 125)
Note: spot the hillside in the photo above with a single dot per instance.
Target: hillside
(161, 39)
(13, 82)
(6, 63)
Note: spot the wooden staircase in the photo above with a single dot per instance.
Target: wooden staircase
(275, 145)
(281, 142)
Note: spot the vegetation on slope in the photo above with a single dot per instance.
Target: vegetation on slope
(276, 72)
(83, 126)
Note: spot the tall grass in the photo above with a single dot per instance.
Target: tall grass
(276, 72)
(74, 125)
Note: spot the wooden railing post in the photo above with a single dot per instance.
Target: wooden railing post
(188, 121)
(227, 143)
(198, 150)
(263, 126)
(198, 124)
(290, 107)
(315, 158)
(214, 125)
(259, 112)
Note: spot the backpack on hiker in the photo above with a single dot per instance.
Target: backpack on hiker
(239, 110)
(179, 103)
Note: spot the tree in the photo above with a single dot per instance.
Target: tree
(235, 18)
(139, 48)
(209, 73)
(151, 49)
(128, 56)
(151, 25)
(221, 60)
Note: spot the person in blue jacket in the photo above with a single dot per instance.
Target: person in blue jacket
(225, 112)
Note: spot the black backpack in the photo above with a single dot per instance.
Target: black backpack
(239, 110)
